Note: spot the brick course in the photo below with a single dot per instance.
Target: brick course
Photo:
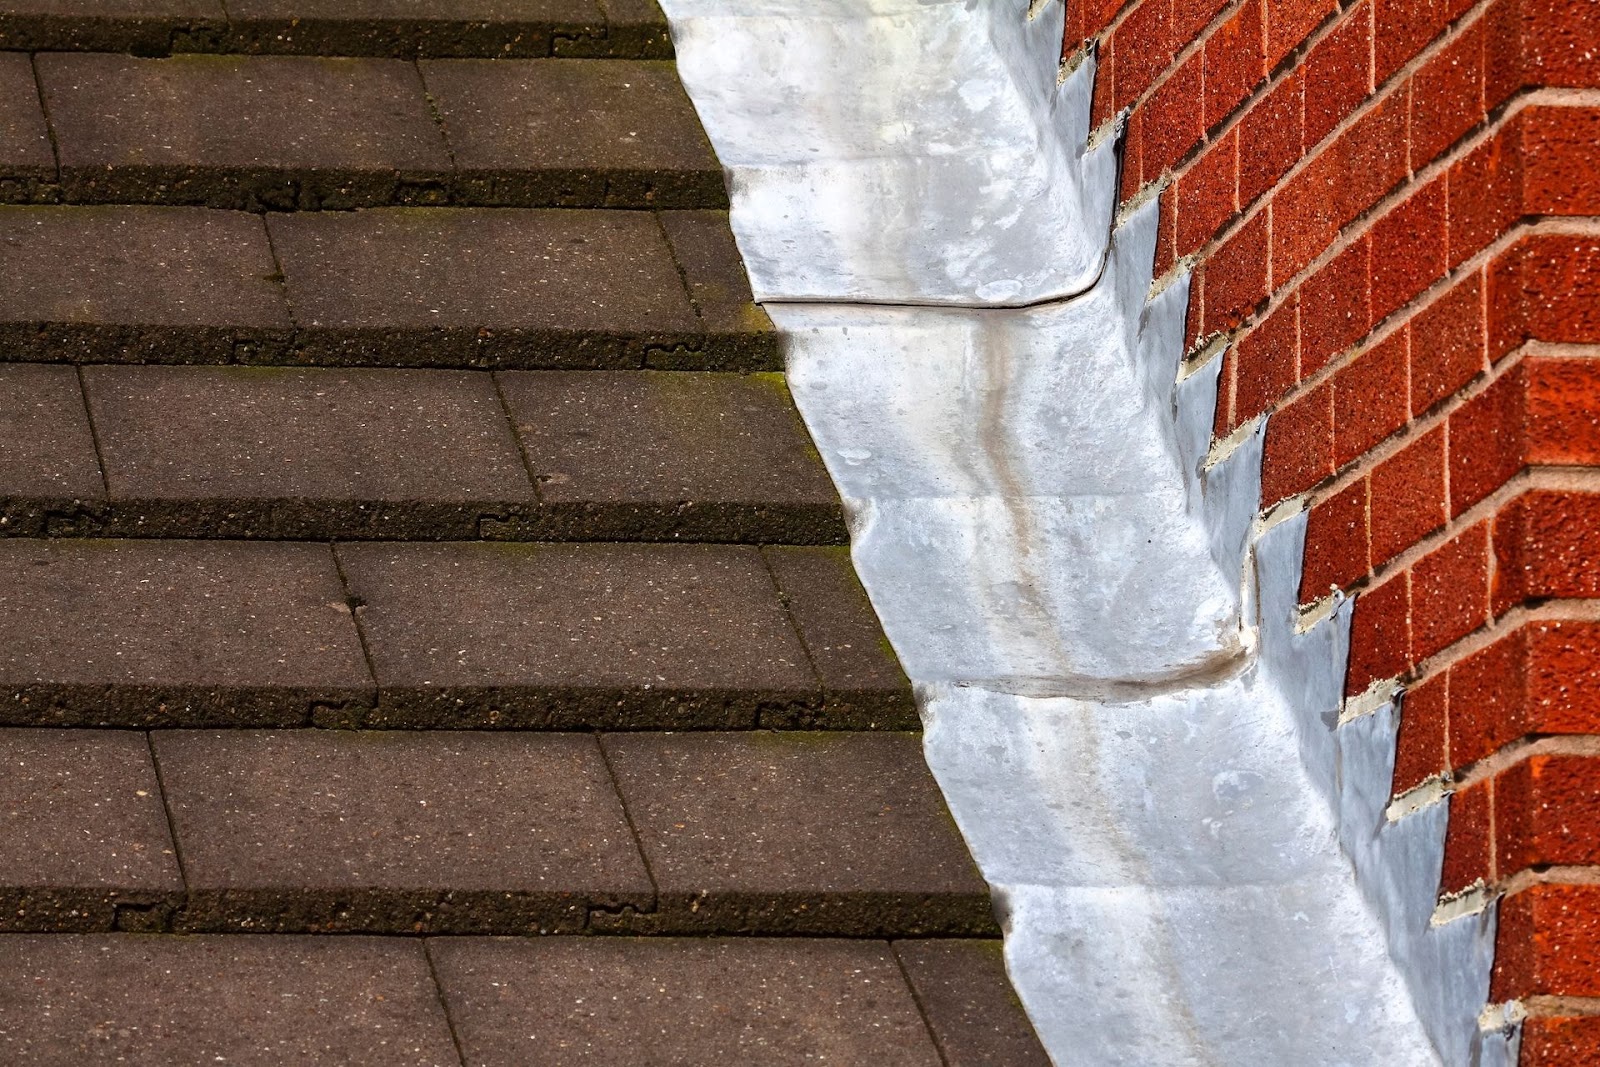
(1389, 209)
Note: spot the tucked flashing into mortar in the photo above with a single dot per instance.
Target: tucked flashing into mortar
(1140, 734)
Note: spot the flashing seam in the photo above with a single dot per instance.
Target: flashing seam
(1137, 731)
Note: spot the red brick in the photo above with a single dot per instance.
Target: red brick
(1270, 134)
(1075, 30)
(1336, 551)
(1194, 314)
(1447, 96)
(1303, 219)
(1546, 544)
(1547, 288)
(1235, 62)
(1267, 361)
(1299, 446)
(1236, 276)
(1561, 152)
(1223, 424)
(1172, 120)
(1096, 15)
(1564, 410)
(1515, 689)
(1189, 17)
(1143, 47)
(1402, 28)
(1132, 169)
(1485, 194)
(1447, 344)
(1206, 194)
(1547, 943)
(1371, 156)
(1102, 105)
(1370, 398)
(1547, 813)
(1380, 634)
(1345, 180)
(1561, 1041)
(1289, 22)
(1420, 744)
(1488, 699)
(1502, 51)
(1487, 440)
(1167, 234)
(1563, 673)
(1408, 496)
(1408, 249)
(1560, 39)
(1450, 592)
(1468, 839)
(1338, 73)
(1335, 309)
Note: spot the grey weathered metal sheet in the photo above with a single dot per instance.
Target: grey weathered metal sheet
(887, 132)
(1142, 747)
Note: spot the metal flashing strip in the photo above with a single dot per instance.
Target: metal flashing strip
(1136, 731)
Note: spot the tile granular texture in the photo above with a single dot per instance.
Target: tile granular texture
(637, 28)
(133, 633)
(618, 134)
(149, 27)
(83, 835)
(27, 165)
(398, 832)
(688, 1002)
(482, 287)
(245, 1001)
(861, 678)
(970, 1006)
(320, 453)
(138, 285)
(572, 636)
(410, 28)
(702, 242)
(798, 833)
(672, 455)
(48, 466)
(253, 133)
(407, 574)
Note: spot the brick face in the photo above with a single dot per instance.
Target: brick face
(1562, 1041)
(1336, 543)
(1380, 634)
(1338, 73)
(1447, 96)
(1421, 749)
(1370, 398)
(1541, 679)
(1546, 544)
(1469, 839)
(1273, 130)
(1206, 194)
(1408, 249)
(1335, 307)
(1547, 942)
(1400, 243)
(1290, 21)
(1450, 592)
(1408, 492)
(1235, 61)
(1547, 812)
(1299, 446)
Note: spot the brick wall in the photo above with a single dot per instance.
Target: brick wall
(1392, 212)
